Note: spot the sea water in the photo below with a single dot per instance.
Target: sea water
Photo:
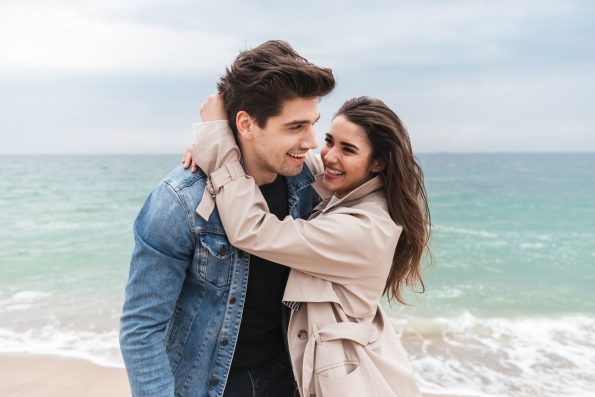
(509, 306)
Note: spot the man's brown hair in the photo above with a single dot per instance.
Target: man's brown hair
(262, 78)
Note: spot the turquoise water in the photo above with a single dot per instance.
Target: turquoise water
(509, 306)
(515, 233)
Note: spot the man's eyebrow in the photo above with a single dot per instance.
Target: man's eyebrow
(295, 122)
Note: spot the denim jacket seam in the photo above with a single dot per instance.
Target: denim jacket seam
(186, 207)
(208, 229)
(183, 183)
(188, 333)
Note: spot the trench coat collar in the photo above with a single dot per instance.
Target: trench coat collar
(357, 193)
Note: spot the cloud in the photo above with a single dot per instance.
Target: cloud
(187, 37)
(465, 75)
(46, 40)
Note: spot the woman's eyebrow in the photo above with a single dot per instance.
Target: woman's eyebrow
(348, 144)
(344, 143)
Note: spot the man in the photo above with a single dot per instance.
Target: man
(200, 317)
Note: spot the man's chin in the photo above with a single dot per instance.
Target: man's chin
(293, 171)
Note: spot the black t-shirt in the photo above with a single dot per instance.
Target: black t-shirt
(261, 333)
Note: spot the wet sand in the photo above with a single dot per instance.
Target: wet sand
(50, 376)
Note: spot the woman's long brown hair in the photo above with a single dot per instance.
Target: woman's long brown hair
(404, 187)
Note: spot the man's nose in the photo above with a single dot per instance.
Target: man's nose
(309, 140)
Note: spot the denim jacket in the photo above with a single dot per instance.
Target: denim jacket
(186, 290)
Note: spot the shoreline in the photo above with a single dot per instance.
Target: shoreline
(33, 375)
(23, 374)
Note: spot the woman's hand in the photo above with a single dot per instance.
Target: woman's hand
(187, 160)
(212, 109)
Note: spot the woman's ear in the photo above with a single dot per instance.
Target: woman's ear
(377, 166)
(245, 124)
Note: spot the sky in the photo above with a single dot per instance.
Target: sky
(127, 76)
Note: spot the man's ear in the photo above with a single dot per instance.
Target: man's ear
(245, 124)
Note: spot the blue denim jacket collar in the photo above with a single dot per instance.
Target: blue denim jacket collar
(294, 185)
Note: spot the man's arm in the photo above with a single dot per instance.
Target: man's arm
(162, 253)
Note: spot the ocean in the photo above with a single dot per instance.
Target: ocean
(509, 303)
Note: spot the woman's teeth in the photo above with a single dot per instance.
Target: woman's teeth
(333, 172)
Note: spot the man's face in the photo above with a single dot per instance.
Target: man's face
(281, 146)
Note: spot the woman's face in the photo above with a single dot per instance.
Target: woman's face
(347, 157)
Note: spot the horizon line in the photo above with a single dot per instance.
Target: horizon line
(180, 154)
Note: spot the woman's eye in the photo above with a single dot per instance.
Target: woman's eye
(328, 141)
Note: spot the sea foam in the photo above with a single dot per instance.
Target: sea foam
(503, 356)
(99, 347)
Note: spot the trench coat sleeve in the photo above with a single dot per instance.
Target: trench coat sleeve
(338, 245)
(214, 146)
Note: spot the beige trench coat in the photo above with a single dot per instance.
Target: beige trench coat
(340, 339)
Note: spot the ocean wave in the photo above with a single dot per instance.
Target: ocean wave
(460, 355)
(470, 232)
(532, 245)
(448, 293)
(102, 348)
(22, 300)
(503, 356)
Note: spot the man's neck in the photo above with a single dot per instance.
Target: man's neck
(260, 177)
(255, 170)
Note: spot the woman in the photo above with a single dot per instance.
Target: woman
(346, 256)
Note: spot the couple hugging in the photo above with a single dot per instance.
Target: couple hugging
(262, 273)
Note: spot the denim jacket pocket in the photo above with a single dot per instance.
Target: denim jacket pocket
(216, 260)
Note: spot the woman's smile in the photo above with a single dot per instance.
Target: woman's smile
(347, 157)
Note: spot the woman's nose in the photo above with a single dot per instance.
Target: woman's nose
(331, 155)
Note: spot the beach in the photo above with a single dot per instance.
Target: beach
(509, 307)
(48, 376)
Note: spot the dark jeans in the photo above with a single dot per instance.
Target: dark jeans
(271, 379)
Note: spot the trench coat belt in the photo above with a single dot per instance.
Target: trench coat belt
(362, 334)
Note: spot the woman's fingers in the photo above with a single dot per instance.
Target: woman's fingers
(187, 159)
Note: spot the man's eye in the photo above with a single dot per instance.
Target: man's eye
(296, 127)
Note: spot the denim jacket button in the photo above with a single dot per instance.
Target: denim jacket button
(302, 334)
(214, 382)
(232, 301)
(224, 342)
(222, 250)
